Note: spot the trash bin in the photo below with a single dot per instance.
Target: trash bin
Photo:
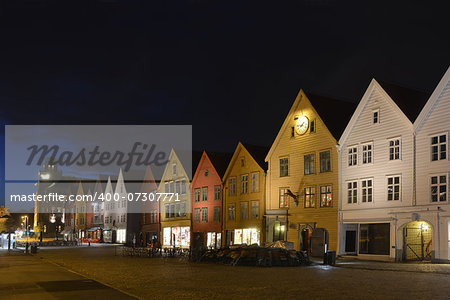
(331, 258)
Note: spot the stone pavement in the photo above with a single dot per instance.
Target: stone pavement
(26, 277)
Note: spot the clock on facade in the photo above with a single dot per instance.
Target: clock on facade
(302, 124)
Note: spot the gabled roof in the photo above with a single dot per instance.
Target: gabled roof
(426, 110)
(404, 98)
(256, 152)
(219, 161)
(410, 101)
(326, 108)
(334, 113)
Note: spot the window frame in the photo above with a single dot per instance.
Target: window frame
(284, 197)
(393, 184)
(329, 161)
(244, 184)
(352, 192)
(330, 192)
(284, 167)
(312, 197)
(352, 156)
(393, 147)
(438, 146)
(438, 186)
(366, 189)
(313, 155)
(367, 154)
(255, 182)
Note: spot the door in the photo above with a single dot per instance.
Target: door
(417, 241)
(350, 241)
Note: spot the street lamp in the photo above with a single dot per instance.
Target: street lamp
(26, 231)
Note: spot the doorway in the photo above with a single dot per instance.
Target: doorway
(417, 241)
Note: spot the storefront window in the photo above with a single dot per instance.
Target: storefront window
(247, 236)
(374, 239)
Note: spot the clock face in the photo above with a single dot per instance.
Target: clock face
(302, 124)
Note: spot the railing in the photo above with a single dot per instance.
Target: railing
(152, 252)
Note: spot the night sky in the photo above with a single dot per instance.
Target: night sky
(232, 69)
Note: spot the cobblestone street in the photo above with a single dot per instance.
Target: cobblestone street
(164, 278)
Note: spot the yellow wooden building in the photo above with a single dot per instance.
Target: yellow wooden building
(244, 194)
(302, 179)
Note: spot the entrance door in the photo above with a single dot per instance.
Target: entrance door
(350, 241)
(417, 241)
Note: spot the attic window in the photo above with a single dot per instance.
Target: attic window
(376, 116)
(312, 126)
(206, 173)
(242, 162)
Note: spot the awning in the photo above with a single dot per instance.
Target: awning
(67, 231)
(94, 229)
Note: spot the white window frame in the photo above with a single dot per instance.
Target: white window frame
(438, 186)
(366, 190)
(352, 192)
(438, 146)
(393, 184)
(376, 111)
(394, 147)
(352, 157)
(367, 154)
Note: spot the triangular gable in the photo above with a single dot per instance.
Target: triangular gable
(180, 168)
(239, 147)
(431, 103)
(374, 85)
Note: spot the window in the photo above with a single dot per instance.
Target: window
(204, 214)
(205, 194)
(367, 153)
(231, 212)
(197, 215)
(376, 117)
(309, 164)
(217, 214)
(172, 210)
(284, 167)
(366, 188)
(326, 199)
(232, 186)
(244, 184)
(174, 169)
(312, 126)
(352, 192)
(394, 149)
(206, 173)
(244, 210)
(310, 197)
(166, 187)
(283, 198)
(439, 188)
(171, 187)
(196, 195)
(183, 186)
(393, 188)
(255, 209)
(183, 209)
(166, 210)
(217, 192)
(325, 161)
(255, 182)
(242, 162)
(439, 147)
(352, 156)
(178, 210)
(178, 187)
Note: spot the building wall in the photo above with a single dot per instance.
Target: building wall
(235, 170)
(437, 122)
(210, 181)
(392, 124)
(295, 148)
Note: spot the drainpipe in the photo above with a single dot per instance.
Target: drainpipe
(414, 170)
(437, 253)
(338, 147)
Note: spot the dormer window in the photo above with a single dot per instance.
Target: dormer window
(376, 116)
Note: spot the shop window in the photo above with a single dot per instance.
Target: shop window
(374, 239)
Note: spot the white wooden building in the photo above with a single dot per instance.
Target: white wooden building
(432, 170)
(376, 172)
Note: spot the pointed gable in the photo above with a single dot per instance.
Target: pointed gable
(258, 151)
(436, 96)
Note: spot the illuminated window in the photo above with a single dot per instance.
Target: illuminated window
(439, 188)
(283, 197)
(367, 153)
(255, 209)
(217, 214)
(284, 167)
(205, 194)
(255, 182)
(232, 186)
(196, 195)
(309, 163)
(326, 199)
(325, 161)
(366, 190)
(244, 210)
(352, 192)
(352, 156)
(394, 149)
(393, 188)
(204, 214)
(310, 197)
(439, 147)
(231, 212)
(217, 192)
(376, 117)
(244, 184)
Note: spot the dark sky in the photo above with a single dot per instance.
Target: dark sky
(230, 68)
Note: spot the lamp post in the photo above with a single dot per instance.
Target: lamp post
(26, 232)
